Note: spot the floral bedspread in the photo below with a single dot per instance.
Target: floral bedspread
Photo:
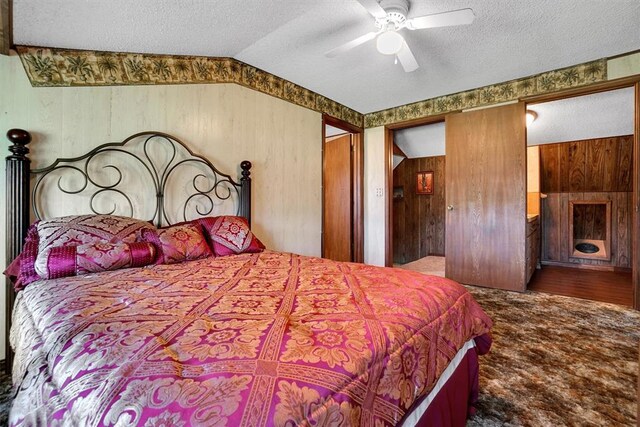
(247, 340)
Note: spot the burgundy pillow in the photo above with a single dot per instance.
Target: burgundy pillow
(27, 258)
(63, 261)
(78, 230)
(182, 242)
(230, 235)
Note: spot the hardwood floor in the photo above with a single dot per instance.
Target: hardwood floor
(603, 286)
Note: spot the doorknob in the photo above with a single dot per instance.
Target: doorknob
(450, 207)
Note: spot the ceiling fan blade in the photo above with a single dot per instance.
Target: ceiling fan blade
(374, 8)
(350, 45)
(444, 19)
(406, 58)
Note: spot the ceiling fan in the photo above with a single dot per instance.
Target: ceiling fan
(391, 17)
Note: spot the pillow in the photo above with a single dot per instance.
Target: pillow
(77, 230)
(27, 258)
(72, 260)
(230, 235)
(182, 242)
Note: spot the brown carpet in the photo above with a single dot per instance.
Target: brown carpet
(555, 361)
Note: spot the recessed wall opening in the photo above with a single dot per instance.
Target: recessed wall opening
(590, 229)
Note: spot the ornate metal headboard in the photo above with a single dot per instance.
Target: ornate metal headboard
(117, 178)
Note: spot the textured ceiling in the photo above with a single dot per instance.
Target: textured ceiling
(508, 39)
(593, 116)
(421, 141)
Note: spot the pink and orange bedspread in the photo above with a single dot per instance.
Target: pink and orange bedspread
(254, 339)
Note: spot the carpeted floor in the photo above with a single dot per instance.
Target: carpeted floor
(555, 361)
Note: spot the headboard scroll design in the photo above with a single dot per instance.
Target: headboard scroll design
(114, 177)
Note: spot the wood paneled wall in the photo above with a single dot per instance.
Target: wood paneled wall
(603, 164)
(596, 169)
(555, 229)
(418, 219)
(589, 221)
(226, 123)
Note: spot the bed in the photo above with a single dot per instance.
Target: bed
(248, 339)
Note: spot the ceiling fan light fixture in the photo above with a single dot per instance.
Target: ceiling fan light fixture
(531, 117)
(389, 42)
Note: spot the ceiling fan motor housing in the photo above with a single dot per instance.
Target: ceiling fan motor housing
(397, 11)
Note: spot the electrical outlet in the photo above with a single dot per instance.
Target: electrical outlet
(378, 192)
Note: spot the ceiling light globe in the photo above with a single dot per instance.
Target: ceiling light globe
(389, 43)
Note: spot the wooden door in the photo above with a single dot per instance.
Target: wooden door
(337, 234)
(486, 197)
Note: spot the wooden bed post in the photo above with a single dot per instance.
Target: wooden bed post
(17, 216)
(245, 196)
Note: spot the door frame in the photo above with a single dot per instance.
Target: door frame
(635, 229)
(388, 161)
(357, 180)
(632, 81)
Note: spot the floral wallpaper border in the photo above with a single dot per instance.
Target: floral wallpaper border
(64, 67)
(552, 81)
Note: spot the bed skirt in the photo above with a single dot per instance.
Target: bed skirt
(452, 400)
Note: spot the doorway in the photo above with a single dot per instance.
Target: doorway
(419, 207)
(584, 172)
(342, 191)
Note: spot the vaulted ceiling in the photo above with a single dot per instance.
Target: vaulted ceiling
(508, 39)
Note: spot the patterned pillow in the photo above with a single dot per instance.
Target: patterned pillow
(230, 235)
(182, 242)
(63, 261)
(28, 258)
(79, 230)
